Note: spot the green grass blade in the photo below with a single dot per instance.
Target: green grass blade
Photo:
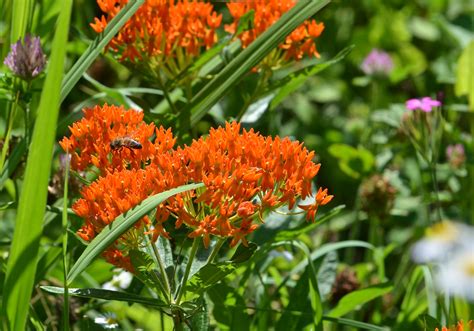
(97, 293)
(351, 301)
(21, 266)
(314, 295)
(213, 91)
(12, 162)
(324, 249)
(94, 49)
(304, 228)
(121, 224)
(355, 324)
(22, 11)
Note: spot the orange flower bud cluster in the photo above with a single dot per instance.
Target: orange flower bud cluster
(245, 174)
(459, 327)
(162, 30)
(299, 43)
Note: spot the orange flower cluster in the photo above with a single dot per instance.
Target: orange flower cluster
(90, 142)
(299, 43)
(162, 29)
(245, 174)
(459, 327)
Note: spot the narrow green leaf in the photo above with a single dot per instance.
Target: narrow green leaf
(355, 324)
(324, 249)
(121, 224)
(357, 298)
(28, 227)
(212, 273)
(144, 265)
(94, 49)
(327, 274)
(465, 74)
(243, 253)
(428, 323)
(12, 162)
(295, 80)
(304, 228)
(97, 293)
(22, 11)
(315, 297)
(213, 91)
(209, 275)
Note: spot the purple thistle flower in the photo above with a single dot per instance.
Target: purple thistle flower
(377, 62)
(425, 104)
(26, 60)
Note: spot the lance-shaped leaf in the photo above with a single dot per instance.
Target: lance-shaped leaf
(121, 224)
(213, 91)
(94, 49)
(21, 268)
(212, 273)
(98, 293)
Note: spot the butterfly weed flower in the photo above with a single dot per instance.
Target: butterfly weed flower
(460, 326)
(298, 43)
(245, 175)
(163, 35)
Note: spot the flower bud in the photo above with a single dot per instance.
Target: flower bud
(26, 60)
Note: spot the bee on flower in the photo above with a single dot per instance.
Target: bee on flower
(245, 175)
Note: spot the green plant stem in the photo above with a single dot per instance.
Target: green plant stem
(163, 271)
(192, 254)
(11, 119)
(166, 94)
(434, 179)
(65, 238)
(215, 250)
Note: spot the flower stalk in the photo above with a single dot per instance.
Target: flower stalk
(192, 255)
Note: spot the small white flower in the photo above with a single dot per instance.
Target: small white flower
(107, 321)
(119, 282)
(456, 277)
(442, 241)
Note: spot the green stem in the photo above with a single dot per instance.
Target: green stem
(178, 320)
(434, 179)
(215, 250)
(162, 270)
(192, 254)
(166, 94)
(65, 237)
(11, 119)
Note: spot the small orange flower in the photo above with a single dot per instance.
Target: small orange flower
(245, 175)
(164, 34)
(91, 138)
(299, 43)
(459, 327)
(322, 198)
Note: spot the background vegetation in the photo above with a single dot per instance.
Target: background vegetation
(385, 192)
